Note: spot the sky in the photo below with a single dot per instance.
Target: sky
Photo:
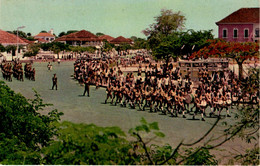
(112, 17)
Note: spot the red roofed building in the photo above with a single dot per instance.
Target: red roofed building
(121, 40)
(46, 36)
(240, 26)
(81, 38)
(106, 37)
(26, 41)
(41, 40)
(10, 39)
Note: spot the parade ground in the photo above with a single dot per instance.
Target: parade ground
(82, 109)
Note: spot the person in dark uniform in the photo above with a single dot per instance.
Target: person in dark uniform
(54, 82)
(86, 82)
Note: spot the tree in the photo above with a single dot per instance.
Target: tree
(2, 48)
(166, 28)
(11, 49)
(235, 50)
(28, 129)
(46, 46)
(107, 46)
(134, 38)
(57, 47)
(32, 50)
(43, 31)
(140, 43)
(166, 23)
(62, 34)
(99, 34)
(88, 144)
(71, 31)
(192, 41)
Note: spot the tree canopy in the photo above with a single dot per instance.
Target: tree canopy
(166, 23)
(235, 50)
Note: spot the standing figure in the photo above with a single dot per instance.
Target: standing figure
(86, 82)
(54, 82)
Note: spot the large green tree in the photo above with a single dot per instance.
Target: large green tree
(24, 130)
(32, 50)
(166, 23)
(160, 33)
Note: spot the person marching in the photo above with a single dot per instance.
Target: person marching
(54, 82)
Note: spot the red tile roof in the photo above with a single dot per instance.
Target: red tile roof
(10, 39)
(82, 35)
(26, 41)
(41, 40)
(106, 37)
(243, 15)
(44, 34)
(120, 40)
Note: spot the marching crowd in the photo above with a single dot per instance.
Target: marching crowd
(162, 88)
(16, 69)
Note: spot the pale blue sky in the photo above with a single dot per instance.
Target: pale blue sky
(113, 17)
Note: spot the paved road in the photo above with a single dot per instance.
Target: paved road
(68, 99)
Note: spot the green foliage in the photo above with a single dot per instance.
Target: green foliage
(71, 31)
(11, 49)
(23, 129)
(46, 46)
(251, 157)
(79, 49)
(140, 43)
(198, 39)
(166, 23)
(107, 46)
(62, 34)
(2, 48)
(88, 144)
(123, 47)
(99, 34)
(32, 50)
(202, 157)
(20, 33)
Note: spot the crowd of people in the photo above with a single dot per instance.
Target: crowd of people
(163, 88)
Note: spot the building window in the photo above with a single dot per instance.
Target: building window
(235, 33)
(246, 33)
(224, 33)
(257, 32)
(47, 39)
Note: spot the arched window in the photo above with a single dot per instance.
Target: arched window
(235, 33)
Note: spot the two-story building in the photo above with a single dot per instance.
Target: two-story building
(44, 37)
(240, 26)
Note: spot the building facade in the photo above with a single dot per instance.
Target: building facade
(240, 26)
(46, 36)
(81, 38)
